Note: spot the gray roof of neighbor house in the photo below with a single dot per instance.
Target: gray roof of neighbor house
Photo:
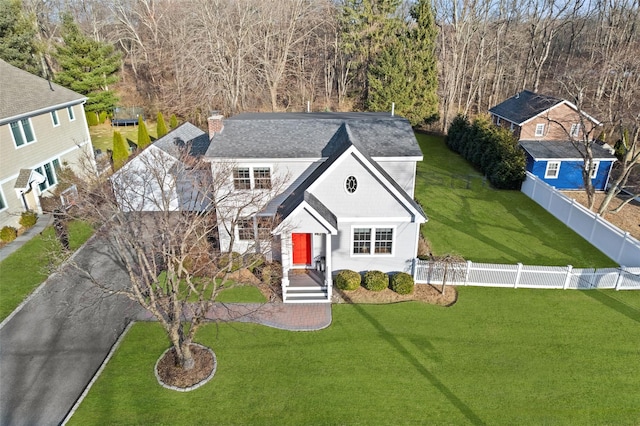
(22, 94)
(182, 135)
(562, 150)
(523, 106)
(311, 135)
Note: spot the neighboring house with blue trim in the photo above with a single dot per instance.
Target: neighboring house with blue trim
(546, 126)
(42, 128)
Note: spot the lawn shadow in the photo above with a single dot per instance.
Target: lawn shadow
(628, 311)
(398, 346)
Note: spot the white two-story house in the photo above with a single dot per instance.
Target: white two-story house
(340, 186)
(42, 128)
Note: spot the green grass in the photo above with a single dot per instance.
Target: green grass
(499, 356)
(486, 225)
(241, 294)
(102, 135)
(22, 271)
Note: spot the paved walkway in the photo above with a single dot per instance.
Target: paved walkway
(52, 347)
(43, 222)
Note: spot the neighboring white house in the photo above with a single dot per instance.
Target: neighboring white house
(341, 187)
(42, 128)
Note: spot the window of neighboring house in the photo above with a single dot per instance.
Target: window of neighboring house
(262, 178)
(48, 170)
(71, 115)
(54, 118)
(553, 168)
(512, 127)
(241, 178)
(22, 132)
(539, 129)
(264, 228)
(245, 229)
(575, 130)
(381, 239)
(594, 169)
(3, 204)
(497, 121)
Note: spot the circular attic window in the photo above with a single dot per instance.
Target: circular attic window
(351, 184)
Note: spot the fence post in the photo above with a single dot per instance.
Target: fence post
(567, 279)
(593, 227)
(619, 280)
(515, 285)
(624, 242)
(466, 275)
(571, 209)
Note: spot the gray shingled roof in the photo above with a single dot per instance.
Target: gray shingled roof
(524, 106)
(311, 135)
(183, 134)
(561, 150)
(22, 93)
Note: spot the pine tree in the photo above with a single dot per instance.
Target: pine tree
(143, 135)
(17, 37)
(161, 127)
(173, 121)
(120, 151)
(87, 66)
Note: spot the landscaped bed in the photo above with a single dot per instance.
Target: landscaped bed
(469, 218)
(497, 356)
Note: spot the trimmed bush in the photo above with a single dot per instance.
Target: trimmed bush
(348, 280)
(173, 121)
(8, 234)
(102, 117)
(28, 219)
(375, 280)
(402, 283)
(92, 118)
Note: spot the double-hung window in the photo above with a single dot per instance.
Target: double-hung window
(264, 228)
(22, 132)
(575, 130)
(372, 241)
(72, 116)
(539, 129)
(54, 118)
(245, 229)
(3, 203)
(594, 169)
(48, 170)
(252, 178)
(553, 168)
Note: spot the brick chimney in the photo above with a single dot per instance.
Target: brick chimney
(215, 123)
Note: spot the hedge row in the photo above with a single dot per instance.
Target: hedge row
(494, 150)
(401, 282)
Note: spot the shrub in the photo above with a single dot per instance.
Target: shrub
(161, 127)
(173, 121)
(236, 261)
(375, 280)
(348, 280)
(92, 118)
(402, 283)
(28, 219)
(8, 233)
(102, 117)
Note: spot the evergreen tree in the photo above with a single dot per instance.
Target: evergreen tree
(143, 135)
(120, 151)
(87, 66)
(161, 127)
(173, 121)
(17, 37)
(405, 71)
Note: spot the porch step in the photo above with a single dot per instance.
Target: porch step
(306, 295)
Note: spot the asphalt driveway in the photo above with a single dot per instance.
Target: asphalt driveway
(52, 347)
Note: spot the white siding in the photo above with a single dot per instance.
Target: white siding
(403, 172)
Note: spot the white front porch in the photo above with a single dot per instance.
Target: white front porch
(306, 271)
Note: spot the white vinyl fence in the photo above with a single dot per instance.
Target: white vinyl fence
(524, 276)
(609, 239)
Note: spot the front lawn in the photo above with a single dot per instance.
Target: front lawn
(469, 218)
(30, 265)
(499, 356)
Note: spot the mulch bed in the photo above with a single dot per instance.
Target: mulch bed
(421, 292)
(172, 375)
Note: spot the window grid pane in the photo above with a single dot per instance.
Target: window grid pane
(361, 241)
(384, 240)
(241, 178)
(28, 132)
(17, 133)
(262, 178)
(264, 229)
(54, 116)
(245, 229)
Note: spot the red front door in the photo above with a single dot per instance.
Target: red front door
(301, 249)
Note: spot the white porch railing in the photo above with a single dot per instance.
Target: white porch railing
(527, 276)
